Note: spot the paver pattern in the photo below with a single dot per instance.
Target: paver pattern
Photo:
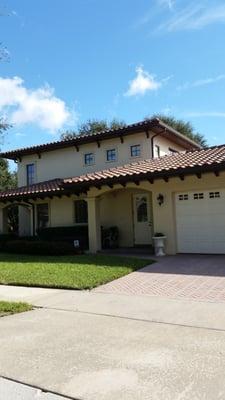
(194, 277)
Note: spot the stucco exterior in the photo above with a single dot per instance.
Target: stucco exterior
(68, 162)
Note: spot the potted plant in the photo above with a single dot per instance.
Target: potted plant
(159, 244)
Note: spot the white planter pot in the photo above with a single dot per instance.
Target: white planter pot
(159, 245)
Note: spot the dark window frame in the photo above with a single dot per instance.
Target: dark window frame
(111, 155)
(80, 206)
(157, 151)
(89, 158)
(135, 150)
(30, 169)
(41, 216)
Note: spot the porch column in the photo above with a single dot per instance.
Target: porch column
(94, 228)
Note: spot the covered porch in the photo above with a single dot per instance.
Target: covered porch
(128, 209)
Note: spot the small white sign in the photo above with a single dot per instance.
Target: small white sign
(76, 243)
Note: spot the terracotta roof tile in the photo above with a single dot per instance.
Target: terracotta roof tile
(154, 124)
(175, 164)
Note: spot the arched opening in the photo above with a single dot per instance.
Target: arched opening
(12, 214)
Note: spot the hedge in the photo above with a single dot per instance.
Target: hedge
(39, 247)
(66, 234)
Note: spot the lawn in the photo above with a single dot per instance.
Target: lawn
(7, 308)
(68, 272)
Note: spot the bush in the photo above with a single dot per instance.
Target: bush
(66, 234)
(6, 237)
(39, 247)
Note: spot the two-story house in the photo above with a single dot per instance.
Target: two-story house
(143, 178)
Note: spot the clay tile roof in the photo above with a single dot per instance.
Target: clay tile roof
(51, 186)
(154, 124)
(177, 164)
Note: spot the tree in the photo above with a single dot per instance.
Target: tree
(184, 127)
(94, 126)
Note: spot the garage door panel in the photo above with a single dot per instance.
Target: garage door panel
(200, 218)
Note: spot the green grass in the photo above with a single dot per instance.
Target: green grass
(68, 272)
(7, 308)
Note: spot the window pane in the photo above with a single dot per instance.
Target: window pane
(111, 155)
(157, 151)
(89, 158)
(142, 211)
(42, 216)
(30, 174)
(81, 213)
(135, 150)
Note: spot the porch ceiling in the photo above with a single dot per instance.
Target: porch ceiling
(176, 165)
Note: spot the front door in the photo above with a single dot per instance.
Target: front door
(142, 219)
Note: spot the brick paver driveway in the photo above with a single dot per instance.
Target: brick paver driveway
(195, 277)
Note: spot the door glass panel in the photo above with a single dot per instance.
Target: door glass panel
(142, 211)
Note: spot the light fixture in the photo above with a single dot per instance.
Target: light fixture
(160, 199)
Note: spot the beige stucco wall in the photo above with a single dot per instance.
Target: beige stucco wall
(164, 216)
(68, 162)
(115, 206)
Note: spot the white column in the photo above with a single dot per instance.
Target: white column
(94, 228)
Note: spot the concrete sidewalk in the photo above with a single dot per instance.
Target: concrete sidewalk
(152, 309)
(96, 357)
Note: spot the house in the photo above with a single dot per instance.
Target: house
(143, 178)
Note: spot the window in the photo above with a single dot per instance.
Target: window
(89, 159)
(213, 195)
(157, 151)
(30, 174)
(111, 155)
(142, 209)
(81, 212)
(135, 151)
(198, 196)
(183, 197)
(42, 215)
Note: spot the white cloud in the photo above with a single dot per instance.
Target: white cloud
(142, 83)
(38, 106)
(201, 82)
(195, 16)
(168, 3)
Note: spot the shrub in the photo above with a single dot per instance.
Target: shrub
(39, 247)
(66, 234)
(6, 237)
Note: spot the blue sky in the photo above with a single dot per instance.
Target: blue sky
(77, 59)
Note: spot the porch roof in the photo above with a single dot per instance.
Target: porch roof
(211, 159)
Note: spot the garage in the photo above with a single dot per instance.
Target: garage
(200, 221)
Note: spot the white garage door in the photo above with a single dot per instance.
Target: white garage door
(200, 218)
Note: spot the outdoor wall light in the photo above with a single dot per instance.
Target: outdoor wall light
(160, 199)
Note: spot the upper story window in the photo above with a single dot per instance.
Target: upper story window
(81, 212)
(89, 159)
(42, 215)
(157, 150)
(30, 174)
(111, 155)
(135, 150)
